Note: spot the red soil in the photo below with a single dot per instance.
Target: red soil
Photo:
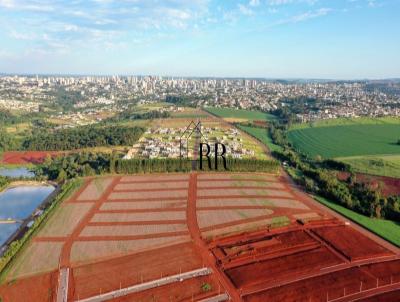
(282, 268)
(388, 186)
(387, 297)
(125, 271)
(188, 290)
(28, 157)
(40, 288)
(318, 289)
(335, 285)
(351, 243)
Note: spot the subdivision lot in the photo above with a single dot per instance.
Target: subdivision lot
(64, 221)
(262, 239)
(38, 257)
(129, 270)
(95, 189)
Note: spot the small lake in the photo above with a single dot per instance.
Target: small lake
(17, 172)
(18, 203)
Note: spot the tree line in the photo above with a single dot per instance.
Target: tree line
(89, 164)
(83, 137)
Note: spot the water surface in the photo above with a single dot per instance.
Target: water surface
(18, 203)
(17, 172)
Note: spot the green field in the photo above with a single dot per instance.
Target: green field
(347, 140)
(385, 165)
(348, 121)
(262, 135)
(240, 114)
(387, 229)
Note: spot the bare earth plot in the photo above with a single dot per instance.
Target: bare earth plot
(261, 238)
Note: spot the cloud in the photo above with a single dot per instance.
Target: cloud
(302, 17)
(254, 3)
(245, 10)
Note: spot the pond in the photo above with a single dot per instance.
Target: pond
(17, 204)
(17, 172)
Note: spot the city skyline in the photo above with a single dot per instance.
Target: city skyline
(289, 39)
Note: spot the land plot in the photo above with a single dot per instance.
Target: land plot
(39, 288)
(386, 297)
(282, 268)
(152, 185)
(221, 230)
(154, 178)
(318, 289)
(211, 218)
(95, 189)
(149, 216)
(38, 257)
(155, 204)
(194, 289)
(133, 269)
(244, 176)
(241, 183)
(152, 194)
(351, 243)
(132, 230)
(387, 272)
(92, 251)
(239, 201)
(270, 244)
(242, 192)
(64, 220)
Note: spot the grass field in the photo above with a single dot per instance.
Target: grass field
(385, 165)
(386, 229)
(349, 121)
(347, 140)
(262, 135)
(240, 114)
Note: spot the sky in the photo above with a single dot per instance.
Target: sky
(335, 39)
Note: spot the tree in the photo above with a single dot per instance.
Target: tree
(62, 176)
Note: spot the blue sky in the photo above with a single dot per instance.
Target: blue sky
(341, 39)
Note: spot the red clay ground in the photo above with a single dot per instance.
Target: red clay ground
(282, 246)
(388, 186)
(27, 157)
(188, 290)
(41, 288)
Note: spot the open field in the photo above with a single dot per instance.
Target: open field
(240, 114)
(347, 140)
(27, 157)
(385, 165)
(262, 135)
(256, 234)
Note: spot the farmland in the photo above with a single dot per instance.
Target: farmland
(348, 140)
(262, 135)
(256, 233)
(240, 114)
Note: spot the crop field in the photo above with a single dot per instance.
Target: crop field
(262, 135)
(347, 140)
(254, 233)
(240, 114)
